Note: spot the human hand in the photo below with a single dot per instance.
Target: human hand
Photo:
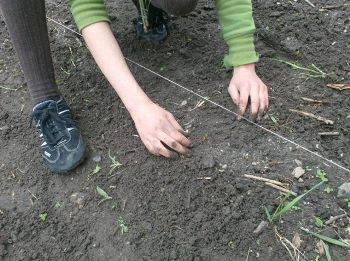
(158, 128)
(245, 85)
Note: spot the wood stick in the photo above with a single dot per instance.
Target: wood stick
(335, 6)
(331, 133)
(264, 179)
(312, 100)
(281, 189)
(311, 4)
(311, 115)
(332, 219)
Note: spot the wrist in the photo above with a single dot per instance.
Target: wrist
(137, 104)
(245, 68)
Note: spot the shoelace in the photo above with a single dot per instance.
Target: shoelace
(51, 124)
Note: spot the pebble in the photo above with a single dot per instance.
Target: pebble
(78, 199)
(298, 172)
(97, 158)
(208, 161)
(262, 225)
(292, 44)
(344, 190)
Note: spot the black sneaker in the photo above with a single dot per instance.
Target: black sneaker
(157, 31)
(61, 144)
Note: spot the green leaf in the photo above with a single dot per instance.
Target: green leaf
(57, 205)
(102, 193)
(327, 239)
(319, 222)
(322, 175)
(97, 169)
(328, 190)
(326, 250)
(43, 216)
(294, 201)
(268, 214)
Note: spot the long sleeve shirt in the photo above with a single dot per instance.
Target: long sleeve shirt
(235, 17)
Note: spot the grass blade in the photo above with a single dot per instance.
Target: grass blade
(295, 201)
(327, 239)
(268, 214)
(326, 250)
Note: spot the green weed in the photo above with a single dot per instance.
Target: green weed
(327, 239)
(319, 223)
(283, 209)
(308, 72)
(43, 216)
(103, 194)
(115, 164)
(123, 227)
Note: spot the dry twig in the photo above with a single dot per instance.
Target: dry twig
(332, 219)
(309, 2)
(331, 133)
(312, 100)
(334, 6)
(284, 190)
(265, 180)
(311, 115)
(339, 86)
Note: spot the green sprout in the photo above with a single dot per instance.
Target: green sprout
(319, 223)
(308, 72)
(103, 194)
(283, 209)
(43, 216)
(123, 227)
(328, 190)
(115, 164)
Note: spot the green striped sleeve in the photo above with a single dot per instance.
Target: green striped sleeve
(237, 25)
(86, 12)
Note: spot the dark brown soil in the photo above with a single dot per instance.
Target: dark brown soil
(198, 208)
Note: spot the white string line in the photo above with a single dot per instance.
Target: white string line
(222, 107)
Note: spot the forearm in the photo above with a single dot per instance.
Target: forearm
(108, 56)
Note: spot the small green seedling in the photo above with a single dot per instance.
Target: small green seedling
(94, 172)
(327, 239)
(274, 119)
(322, 175)
(123, 227)
(103, 194)
(43, 216)
(326, 250)
(328, 190)
(319, 223)
(347, 200)
(115, 164)
(57, 205)
(282, 210)
(308, 72)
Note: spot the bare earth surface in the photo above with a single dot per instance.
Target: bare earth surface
(198, 208)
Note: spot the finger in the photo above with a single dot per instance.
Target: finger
(150, 147)
(267, 97)
(262, 99)
(162, 151)
(233, 91)
(173, 144)
(243, 101)
(175, 124)
(180, 138)
(254, 101)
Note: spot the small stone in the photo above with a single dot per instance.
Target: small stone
(276, 14)
(298, 172)
(97, 158)
(344, 190)
(300, 180)
(291, 44)
(226, 210)
(183, 103)
(298, 162)
(261, 226)
(208, 161)
(78, 199)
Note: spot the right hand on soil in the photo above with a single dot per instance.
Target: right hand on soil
(158, 128)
